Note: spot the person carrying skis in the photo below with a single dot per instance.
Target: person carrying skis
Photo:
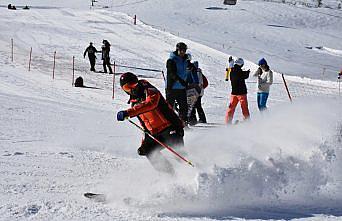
(239, 91)
(265, 80)
(91, 50)
(156, 117)
(176, 83)
(106, 57)
(196, 79)
(229, 68)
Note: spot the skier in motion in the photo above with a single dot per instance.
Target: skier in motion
(156, 117)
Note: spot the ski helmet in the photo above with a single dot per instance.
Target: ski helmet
(239, 62)
(181, 46)
(128, 78)
(262, 61)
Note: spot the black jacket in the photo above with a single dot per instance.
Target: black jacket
(237, 79)
(105, 51)
(91, 50)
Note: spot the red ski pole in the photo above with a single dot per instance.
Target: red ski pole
(164, 145)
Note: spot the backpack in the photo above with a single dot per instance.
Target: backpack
(205, 81)
(79, 82)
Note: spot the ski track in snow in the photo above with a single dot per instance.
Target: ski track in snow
(58, 142)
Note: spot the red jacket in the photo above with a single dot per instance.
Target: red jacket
(154, 113)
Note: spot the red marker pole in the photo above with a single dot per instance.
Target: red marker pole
(113, 80)
(29, 67)
(287, 89)
(54, 65)
(73, 70)
(12, 49)
(339, 82)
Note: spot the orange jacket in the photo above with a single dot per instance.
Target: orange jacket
(152, 109)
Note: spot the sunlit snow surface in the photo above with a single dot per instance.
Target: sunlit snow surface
(58, 142)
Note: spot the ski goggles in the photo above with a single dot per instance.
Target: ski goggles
(129, 87)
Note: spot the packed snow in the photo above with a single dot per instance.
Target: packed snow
(58, 141)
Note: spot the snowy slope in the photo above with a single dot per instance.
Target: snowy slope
(279, 32)
(58, 142)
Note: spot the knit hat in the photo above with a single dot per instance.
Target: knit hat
(262, 61)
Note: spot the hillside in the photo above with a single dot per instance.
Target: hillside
(58, 141)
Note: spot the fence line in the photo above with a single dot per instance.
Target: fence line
(294, 89)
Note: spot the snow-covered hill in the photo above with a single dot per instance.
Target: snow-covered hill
(58, 141)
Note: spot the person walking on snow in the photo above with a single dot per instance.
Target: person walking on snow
(156, 117)
(176, 83)
(91, 50)
(106, 57)
(239, 91)
(196, 77)
(265, 80)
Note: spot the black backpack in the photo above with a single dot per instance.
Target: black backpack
(79, 82)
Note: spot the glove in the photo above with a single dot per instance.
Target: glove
(121, 115)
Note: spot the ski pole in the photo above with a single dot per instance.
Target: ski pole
(164, 145)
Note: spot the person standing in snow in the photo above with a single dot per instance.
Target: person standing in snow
(106, 57)
(239, 91)
(91, 50)
(176, 83)
(156, 117)
(196, 78)
(265, 80)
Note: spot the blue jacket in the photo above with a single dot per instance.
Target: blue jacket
(177, 73)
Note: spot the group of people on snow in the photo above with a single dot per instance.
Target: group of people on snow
(183, 75)
(156, 114)
(11, 7)
(185, 85)
(91, 51)
(237, 78)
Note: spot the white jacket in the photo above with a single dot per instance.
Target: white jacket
(265, 80)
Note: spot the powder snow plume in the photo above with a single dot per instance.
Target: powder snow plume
(286, 159)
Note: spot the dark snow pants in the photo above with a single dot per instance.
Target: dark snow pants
(151, 149)
(179, 96)
(106, 62)
(198, 107)
(92, 60)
